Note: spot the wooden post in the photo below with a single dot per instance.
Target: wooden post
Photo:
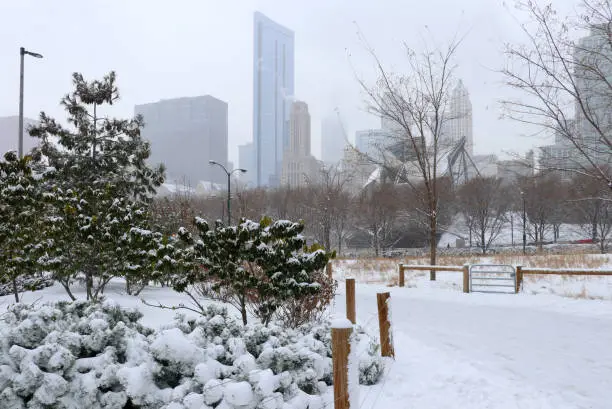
(328, 268)
(350, 300)
(519, 279)
(386, 343)
(401, 275)
(341, 347)
(466, 278)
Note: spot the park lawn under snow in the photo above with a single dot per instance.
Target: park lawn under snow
(462, 350)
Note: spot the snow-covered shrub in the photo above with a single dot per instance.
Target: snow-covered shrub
(34, 283)
(81, 355)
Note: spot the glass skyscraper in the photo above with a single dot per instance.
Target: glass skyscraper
(273, 90)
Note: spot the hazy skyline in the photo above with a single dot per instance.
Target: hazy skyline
(164, 50)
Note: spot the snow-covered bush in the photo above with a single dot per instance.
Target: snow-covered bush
(34, 283)
(81, 355)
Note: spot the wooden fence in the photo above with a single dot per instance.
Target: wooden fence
(519, 270)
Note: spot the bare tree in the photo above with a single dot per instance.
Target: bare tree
(330, 204)
(415, 104)
(541, 200)
(484, 203)
(567, 82)
(377, 214)
(592, 209)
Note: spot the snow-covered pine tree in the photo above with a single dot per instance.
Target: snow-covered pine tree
(22, 220)
(97, 161)
(255, 265)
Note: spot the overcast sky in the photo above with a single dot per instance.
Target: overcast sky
(165, 49)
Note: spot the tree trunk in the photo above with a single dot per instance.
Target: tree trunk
(67, 288)
(15, 290)
(243, 311)
(482, 240)
(432, 246)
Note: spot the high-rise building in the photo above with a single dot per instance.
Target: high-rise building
(273, 90)
(592, 73)
(458, 120)
(299, 166)
(374, 143)
(9, 137)
(246, 160)
(185, 133)
(333, 140)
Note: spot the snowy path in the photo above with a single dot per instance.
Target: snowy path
(491, 351)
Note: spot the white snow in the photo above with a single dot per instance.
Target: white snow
(341, 323)
(534, 350)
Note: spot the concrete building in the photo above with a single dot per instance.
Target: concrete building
(185, 133)
(9, 138)
(458, 120)
(514, 169)
(333, 140)
(299, 166)
(246, 160)
(273, 90)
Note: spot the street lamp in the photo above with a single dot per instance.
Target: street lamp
(229, 191)
(22, 53)
(524, 225)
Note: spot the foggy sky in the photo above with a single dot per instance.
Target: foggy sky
(162, 49)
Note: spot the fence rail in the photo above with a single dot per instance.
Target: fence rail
(519, 270)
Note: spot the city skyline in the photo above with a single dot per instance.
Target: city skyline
(330, 55)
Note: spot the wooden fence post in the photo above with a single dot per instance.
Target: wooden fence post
(350, 300)
(466, 278)
(328, 268)
(519, 279)
(386, 343)
(341, 347)
(401, 275)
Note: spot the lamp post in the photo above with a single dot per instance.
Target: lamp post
(229, 190)
(22, 52)
(524, 225)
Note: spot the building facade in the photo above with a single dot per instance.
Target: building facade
(246, 160)
(458, 120)
(333, 140)
(273, 90)
(9, 134)
(299, 167)
(374, 143)
(185, 133)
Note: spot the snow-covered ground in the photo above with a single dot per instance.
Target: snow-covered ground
(456, 350)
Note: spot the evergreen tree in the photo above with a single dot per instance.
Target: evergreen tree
(22, 220)
(252, 265)
(103, 184)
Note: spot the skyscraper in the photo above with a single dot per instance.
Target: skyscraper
(299, 166)
(458, 120)
(246, 160)
(592, 73)
(185, 133)
(273, 90)
(332, 140)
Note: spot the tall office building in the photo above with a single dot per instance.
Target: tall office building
(299, 166)
(273, 90)
(592, 72)
(9, 134)
(458, 120)
(374, 143)
(333, 140)
(246, 160)
(185, 133)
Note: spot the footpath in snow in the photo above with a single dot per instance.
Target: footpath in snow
(457, 350)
